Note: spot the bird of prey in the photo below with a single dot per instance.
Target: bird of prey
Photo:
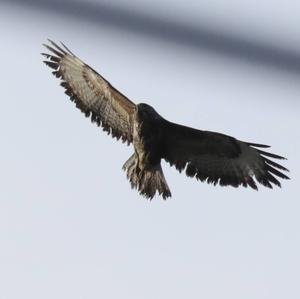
(208, 156)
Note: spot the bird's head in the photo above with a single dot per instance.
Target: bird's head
(146, 112)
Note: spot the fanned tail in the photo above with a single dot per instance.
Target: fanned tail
(146, 181)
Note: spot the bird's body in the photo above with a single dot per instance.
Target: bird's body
(207, 156)
(144, 168)
(147, 134)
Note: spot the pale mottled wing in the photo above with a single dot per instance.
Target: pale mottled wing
(92, 94)
(217, 158)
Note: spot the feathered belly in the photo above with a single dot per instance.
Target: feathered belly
(147, 145)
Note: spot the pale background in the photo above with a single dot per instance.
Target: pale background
(71, 227)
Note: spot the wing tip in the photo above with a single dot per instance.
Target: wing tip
(56, 49)
(271, 155)
(70, 52)
(257, 145)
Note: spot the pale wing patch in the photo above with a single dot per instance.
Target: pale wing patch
(93, 95)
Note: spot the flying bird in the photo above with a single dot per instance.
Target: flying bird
(208, 156)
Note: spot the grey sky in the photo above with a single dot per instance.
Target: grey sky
(71, 227)
(200, 32)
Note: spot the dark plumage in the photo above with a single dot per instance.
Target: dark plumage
(207, 156)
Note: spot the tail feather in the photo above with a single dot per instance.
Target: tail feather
(147, 181)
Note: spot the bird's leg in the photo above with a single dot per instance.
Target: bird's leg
(132, 169)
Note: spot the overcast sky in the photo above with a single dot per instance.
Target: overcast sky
(71, 227)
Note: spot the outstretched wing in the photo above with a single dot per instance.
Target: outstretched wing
(92, 94)
(218, 158)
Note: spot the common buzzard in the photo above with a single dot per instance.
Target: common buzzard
(207, 156)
